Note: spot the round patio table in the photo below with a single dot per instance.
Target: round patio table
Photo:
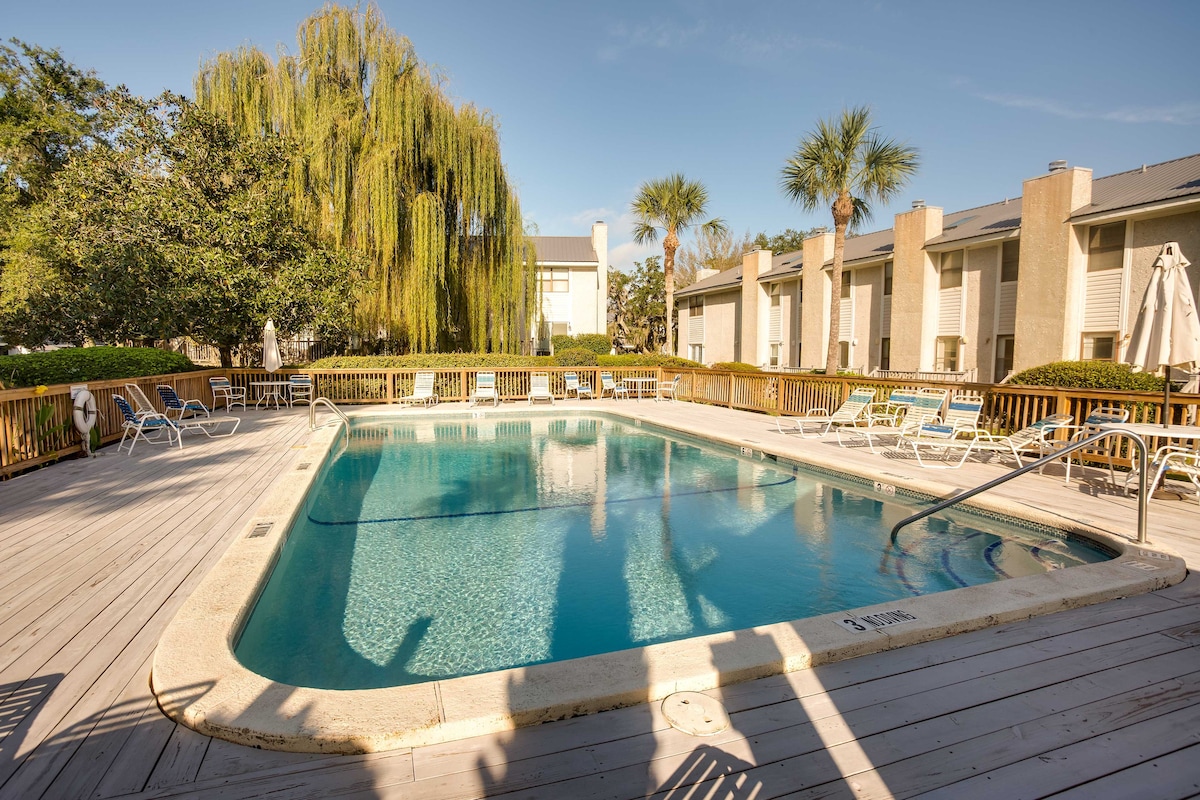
(641, 385)
(268, 391)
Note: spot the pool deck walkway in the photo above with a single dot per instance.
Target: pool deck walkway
(96, 556)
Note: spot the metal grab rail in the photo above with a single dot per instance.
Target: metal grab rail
(1041, 462)
(325, 401)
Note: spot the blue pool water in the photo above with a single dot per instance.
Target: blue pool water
(431, 550)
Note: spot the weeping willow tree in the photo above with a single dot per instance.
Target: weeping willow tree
(389, 167)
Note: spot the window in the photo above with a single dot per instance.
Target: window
(696, 352)
(696, 304)
(946, 358)
(1106, 246)
(887, 279)
(1004, 357)
(951, 272)
(775, 348)
(845, 285)
(555, 279)
(885, 353)
(775, 294)
(843, 355)
(1010, 261)
(1099, 346)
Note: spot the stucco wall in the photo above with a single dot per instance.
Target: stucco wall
(584, 312)
(868, 295)
(722, 320)
(980, 273)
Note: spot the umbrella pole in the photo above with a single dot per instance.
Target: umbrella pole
(1167, 397)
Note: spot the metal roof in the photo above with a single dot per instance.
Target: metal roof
(1147, 184)
(569, 249)
(784, 265)
(869, 247)
(722, 281)
(994, 219)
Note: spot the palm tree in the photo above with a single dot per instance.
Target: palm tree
(672, 204)
(849, 164)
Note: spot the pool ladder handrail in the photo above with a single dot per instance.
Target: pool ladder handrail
(1041, 462)
(325, 401)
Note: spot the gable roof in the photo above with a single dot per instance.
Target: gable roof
(784, 266)
(566, 249)
(722, 281)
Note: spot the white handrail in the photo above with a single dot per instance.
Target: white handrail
(325, 401)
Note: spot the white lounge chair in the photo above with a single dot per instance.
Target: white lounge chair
(608, 385)
(222, 389)
(1175, 459)
(666, 390)
(301, 389)
(422, 390)
(149, 426)
(485, 389)
(848, 413)
(539, 387)
(891, 411)
(924, 408)
(1090, 427)
(948, 440)
(573, 385)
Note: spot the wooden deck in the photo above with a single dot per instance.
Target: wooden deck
(96, 556)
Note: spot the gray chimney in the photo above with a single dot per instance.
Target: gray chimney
(1058, 166)
(918, 204)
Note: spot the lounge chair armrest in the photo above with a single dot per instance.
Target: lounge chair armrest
(813, 412)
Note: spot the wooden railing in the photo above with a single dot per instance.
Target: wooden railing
(1006, 407)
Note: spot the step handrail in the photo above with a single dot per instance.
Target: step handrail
(1041, 462)
(325, 401)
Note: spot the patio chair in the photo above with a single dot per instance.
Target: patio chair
(422, 390)
(485, 388)
(607, 384)
(925, 408)
(1171, 458)
(301, 388)
(963, 412)
(141, 403)
(890, 411)
(149, 426)
(539, 387)
(222, 389)
(179, 407)
(848, 413)
(1090, 427)
(947, 440)
(573, 385)
(668, 389)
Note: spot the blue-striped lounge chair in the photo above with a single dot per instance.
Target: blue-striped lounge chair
(924, 408)
(611, 387)
(150, 426)
(848, 413)
(179, 407)
(949, 441)
(573, 385)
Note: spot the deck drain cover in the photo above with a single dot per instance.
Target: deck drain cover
(303, 465)
(261, 529)
(694, 713)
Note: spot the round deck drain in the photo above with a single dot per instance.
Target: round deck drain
(694, 713)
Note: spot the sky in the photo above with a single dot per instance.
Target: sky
(593, 99)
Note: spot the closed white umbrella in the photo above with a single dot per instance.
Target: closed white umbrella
(271, 359)
(1167, 331)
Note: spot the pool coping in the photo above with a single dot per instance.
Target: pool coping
(199, 682)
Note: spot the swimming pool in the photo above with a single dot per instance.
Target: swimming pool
(430, 550)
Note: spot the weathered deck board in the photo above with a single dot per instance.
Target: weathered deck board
(96, 556)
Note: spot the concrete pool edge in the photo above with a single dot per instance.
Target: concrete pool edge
(199, 682)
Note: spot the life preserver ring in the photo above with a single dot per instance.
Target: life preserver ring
(84, 413)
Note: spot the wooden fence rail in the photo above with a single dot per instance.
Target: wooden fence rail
(1006, 407)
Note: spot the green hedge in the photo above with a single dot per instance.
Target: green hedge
(598, 343)
(648, 360)
(80, 364)
(575, 357)
(736, 366)
(1088, 375)
(432, 361)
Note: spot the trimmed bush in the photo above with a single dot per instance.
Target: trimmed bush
(1088, 375)
(433, 361)
(648, 360)
(736, 366)
(81, 364)
(575, 357)
(598, 343)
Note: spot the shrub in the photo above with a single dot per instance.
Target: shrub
(1088, 375)
(648, 360)
(433, 361)
(598, 343)
(575, 357)
(735, 366)
(80, 364)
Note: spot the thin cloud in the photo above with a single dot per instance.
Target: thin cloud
(623, 255)
(1179, 114)
(648, 36)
